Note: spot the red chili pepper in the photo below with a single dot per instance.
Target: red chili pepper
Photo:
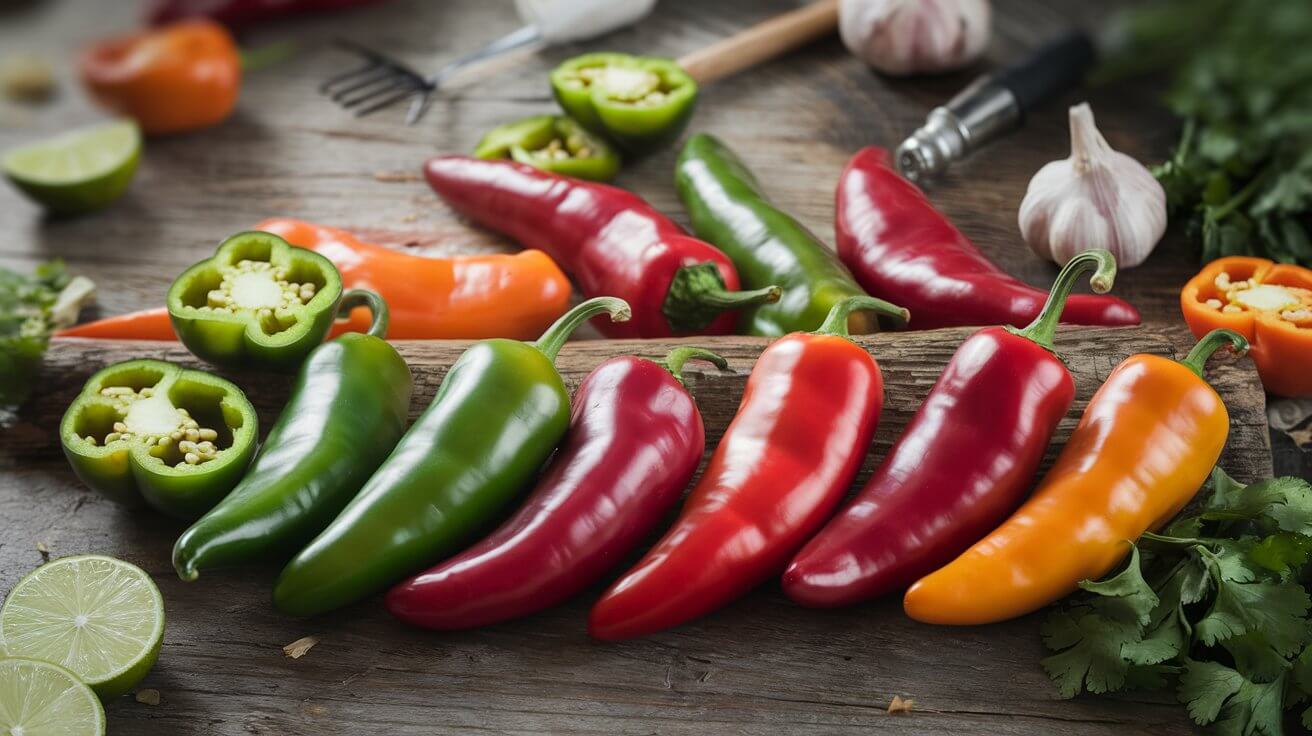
(963, 464)
(902, 249)
(609, 240)
(634, 442)
(240, 13)
(806, 420)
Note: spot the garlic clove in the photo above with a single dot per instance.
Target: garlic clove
(1097, 198)
(902, 37)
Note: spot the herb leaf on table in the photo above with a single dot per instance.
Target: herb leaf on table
(31, 307)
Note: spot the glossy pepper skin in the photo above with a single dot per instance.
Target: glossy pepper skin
(467, 297)
(634, 442)
(805, 423)
(728, 209)
(964, 462)
(641, 102)
(149, 464)
(609, 240)
(1280, 336)
(345, 414)
(498, 415)
(1146, 443)
(242, 13)
(244, 332)
(554, 144)
(184, 76)
(902, 249)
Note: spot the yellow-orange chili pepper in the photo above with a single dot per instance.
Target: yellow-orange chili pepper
(180, 77)
(1266, 302)
(1146, 443)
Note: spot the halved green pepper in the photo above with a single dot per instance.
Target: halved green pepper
(498, 415)
(346, 412)
(257, 302)
(552, 143)
(640, 102)
(149, 430)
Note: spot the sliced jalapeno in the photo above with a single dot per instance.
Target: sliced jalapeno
(552, 143)
(639, 102)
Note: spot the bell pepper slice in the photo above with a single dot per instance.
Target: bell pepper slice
(1268, 303)
(552, 143)
(257, 302)
(639, 102)
(148, 430)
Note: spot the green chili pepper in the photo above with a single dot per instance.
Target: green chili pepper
(728, 209)
(346, 413)
(257, 302)
(640, 102)
(496, 418)
(145, 429)
(552, 143)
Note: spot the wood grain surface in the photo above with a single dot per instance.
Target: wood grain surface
(761, 666)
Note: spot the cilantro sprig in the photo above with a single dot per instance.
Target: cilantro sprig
(31, 307)
(1214, 606)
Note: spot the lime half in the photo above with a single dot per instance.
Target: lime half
(42, 699)
(101, 618)
(78, 171)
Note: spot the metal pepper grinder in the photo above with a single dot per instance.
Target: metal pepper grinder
(993, 105)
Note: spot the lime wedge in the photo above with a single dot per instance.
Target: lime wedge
(78, 171)
(42, 699)
(101, 618)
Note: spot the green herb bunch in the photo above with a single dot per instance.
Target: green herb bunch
(1214, 606)
(30, 309)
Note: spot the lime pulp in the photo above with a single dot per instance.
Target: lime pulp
(78, 171)
(42, 699)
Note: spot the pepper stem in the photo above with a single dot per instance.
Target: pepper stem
(1044, 326)
(836, 322)
(697, 296)
(677, 357)
(556, 335)
(263, 57)
(378, 312)
(1210, 343)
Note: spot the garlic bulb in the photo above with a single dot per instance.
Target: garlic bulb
(914, 36)
(1097, 198)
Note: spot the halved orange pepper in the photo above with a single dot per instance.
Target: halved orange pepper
(1270, 304)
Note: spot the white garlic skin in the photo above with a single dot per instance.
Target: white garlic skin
(901, 37)
(1097, 198)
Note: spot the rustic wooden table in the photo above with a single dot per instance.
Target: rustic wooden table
(762, 666)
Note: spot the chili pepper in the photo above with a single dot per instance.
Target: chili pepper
(466, 297)
(241, 13)
(1147, 441)
(1268, 303)
(149, 430)
(181, 77)
(552, 143)
(346, 413)
(901, 248)
(634, 442)
(257, 301)
(640, 102)
(728, 209)
(609, 240)
(806, 420)
(496, 418)
(962, 465)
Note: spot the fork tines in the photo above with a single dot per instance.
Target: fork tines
(380, 81)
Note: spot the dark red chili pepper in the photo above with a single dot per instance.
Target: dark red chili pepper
(963, 464)
(634, 442)
(902, 249)
(806, 420)
(240, 13)
(608, 240)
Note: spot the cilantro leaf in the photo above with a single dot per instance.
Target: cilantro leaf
(31, 307)
(1275, 610)
(1092, 643)
(1204, 688)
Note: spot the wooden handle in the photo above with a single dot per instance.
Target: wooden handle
(762, 42)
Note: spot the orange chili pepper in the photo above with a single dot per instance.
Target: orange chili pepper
(1146, 443)
(180, 77)
(514, 296)
(1266, 302)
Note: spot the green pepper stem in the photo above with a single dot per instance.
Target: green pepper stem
(268, 55)
(1044, 327)
(836, 322)
(353, 298)
(1210, 343)
(556, 335)
(678, 356)
(696, 297)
